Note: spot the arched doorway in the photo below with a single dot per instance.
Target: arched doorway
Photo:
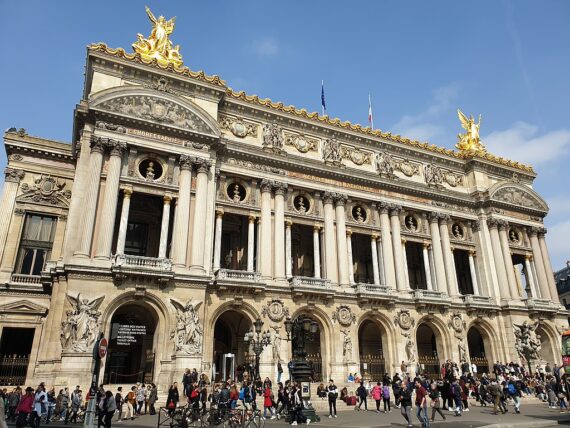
(371, 350)
(131, 356)
(232, 357)
(477, 354)
(428, 349)
(546, 350)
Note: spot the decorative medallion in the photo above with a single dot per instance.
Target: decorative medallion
(344, 316)
(275, 310)
(302, 143)
(457, 231)
(411, 223)
(238, 126)
(301, 204)
(453, 179)
(359, 214)
(514, 236)
(357, 157)
(457, 324)
(404, 320)
(150, 169)
(236, 192)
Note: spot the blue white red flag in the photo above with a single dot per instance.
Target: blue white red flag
(370, 117)
(323, 104)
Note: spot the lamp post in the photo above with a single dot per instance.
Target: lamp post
(257, 342)
(300, 331)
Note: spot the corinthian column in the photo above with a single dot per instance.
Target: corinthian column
(200, 212)
(316, 251)
(349, 256)
(342, 250)
(109, 205)
(374, 249)
(250, 242)
(499, 259)
(448, 259)
(92, 194)
(8, 201)
(218, 241)
(539, 265)
(329, 238)
(279, 233)
(440, 279)
(181, 218)
(397, 247)
(425, 257)
(265, 244)
(509, 268)
(387, 251)
(288, 261)
(124, 221)
(547, 265)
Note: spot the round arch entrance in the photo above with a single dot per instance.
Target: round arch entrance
(371, 339)
(232, 357)
(132, 341)
(429, 349)
(479, 348)
(546, 348)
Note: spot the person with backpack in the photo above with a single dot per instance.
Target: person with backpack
(362, 393)
(297, 404)
(332, 394)
(376, 394)
(456, 394)
(421, 404)
(386, 398)
(397, 390)
(405, 399)
(515, 393)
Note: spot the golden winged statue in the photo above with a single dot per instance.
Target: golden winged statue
(469, 141)
(158, 45)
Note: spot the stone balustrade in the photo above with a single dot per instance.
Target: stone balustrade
(238, 275)
(154, 263)
(21, 279)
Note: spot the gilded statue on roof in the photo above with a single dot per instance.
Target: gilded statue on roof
(158, 45)
(469, 141)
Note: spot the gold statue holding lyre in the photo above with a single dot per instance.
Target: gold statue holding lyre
(158, 45)
(469, 141)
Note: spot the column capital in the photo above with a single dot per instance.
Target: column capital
(542, 232)
(492, 223)
(348, 232)
(383, 207)
(116, 148)
(328, 197)
(219, 212)
(533, 231)
(476, 225)
(97, 144)
(12, 175)
(266, 185)
(395, 209)
(472, 253)
(202, 166)
(528, 257)
(340, 199)
(426, 245)
(251, 219)
(167, 198)
(404, 240)
(288, 223)
(374, 237)
(127, 192)
(433, 217)
(444, 218)
(185, 162)
(502, 225)
(316, 228)
(279, 188)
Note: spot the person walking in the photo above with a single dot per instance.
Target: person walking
(362, 393)
(63, 404)
(131, 402)
(119, 403)
(76, 401)
(141, 393)
(3, 399)
(421, 404)
(25, 407)
(40, 405)
(405, 400)
(514, 392)
(386, 398)
(332, 394)
(107, 407)
(152, 398)
(279, 371)
(435, 397)
(13, 401)
(267, 401)
(456, 394)
(376, 394)
(173, 398)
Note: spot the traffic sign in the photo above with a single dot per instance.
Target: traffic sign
(103, 346)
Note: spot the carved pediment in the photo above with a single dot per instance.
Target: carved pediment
(158, 108)
(517, 195)
(24, 307)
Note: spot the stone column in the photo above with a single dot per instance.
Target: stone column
(473, 273)
(8, 201)
(200, 213)
(124, 220)
(405, 256)
(279, 233)
(265, 244)
(288, 260)
(373, 247)
(92, 194)
(109, 204)
(218, 240)
(427, 270)
(539, 264)
(448, 259)
(342, 248)
(547, 265)
(499, 260)
(440, 279)
(165, 223)
(381, 272)
(397, 247)
(529, 276)
(509, 268)
(330, 240)
(387, 251)
(349, 256)
(182, 215)
(316, 251)
(250, 242)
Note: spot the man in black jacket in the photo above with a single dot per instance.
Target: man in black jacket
(332, 393)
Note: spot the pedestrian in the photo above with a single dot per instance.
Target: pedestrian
(495, 393)
(76, 400)
(141, 392)
(267, 401)
(435, 397)
(40, 405)
(173, 398)
(152, 398)
(515, 393)
(25, 407)
(361, 393)
(3, 399)
(107, 407)
(13, 401)
(146, 394)
(279, 371)
(456, 394)
(131, 402)
(297, 407)
(421, 404)
(119, 402)
(63, 404)
(406, 402)
(332, 393)
(376, 394)
(386, 398)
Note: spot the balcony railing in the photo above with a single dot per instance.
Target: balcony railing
(427, 294)
(21, 279)
(311, 282)
(365, 288)
(238, 275)
(154, 263)
(473, 299)
(540, 304)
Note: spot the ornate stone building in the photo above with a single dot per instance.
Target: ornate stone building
(182, 211)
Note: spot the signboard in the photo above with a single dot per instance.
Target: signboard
(103, 346)
(128, 333)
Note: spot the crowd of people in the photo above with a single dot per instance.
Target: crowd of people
(429, 395)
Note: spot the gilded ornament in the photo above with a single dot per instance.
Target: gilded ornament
(158, 46)
(469, 142)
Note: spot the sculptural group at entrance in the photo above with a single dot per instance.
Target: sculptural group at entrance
(188, 333)
(527, 342)
(81, 328)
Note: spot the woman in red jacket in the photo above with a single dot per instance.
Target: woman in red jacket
(25, 407)
(267, 401)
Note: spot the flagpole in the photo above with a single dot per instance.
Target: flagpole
(370, 112)
(322, 97)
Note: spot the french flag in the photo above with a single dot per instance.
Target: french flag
(323, 104)
(370, 117)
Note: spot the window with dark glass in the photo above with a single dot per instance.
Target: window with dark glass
(136, 241)
(36, 243)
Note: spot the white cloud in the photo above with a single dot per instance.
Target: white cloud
(266, 47)
(522, 143)
(425, 125)
(559, 205)
(558, 238)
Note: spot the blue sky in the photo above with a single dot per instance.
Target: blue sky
(420, 60)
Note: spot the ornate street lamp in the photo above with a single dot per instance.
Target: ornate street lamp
(257, 342)
(300, 331)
